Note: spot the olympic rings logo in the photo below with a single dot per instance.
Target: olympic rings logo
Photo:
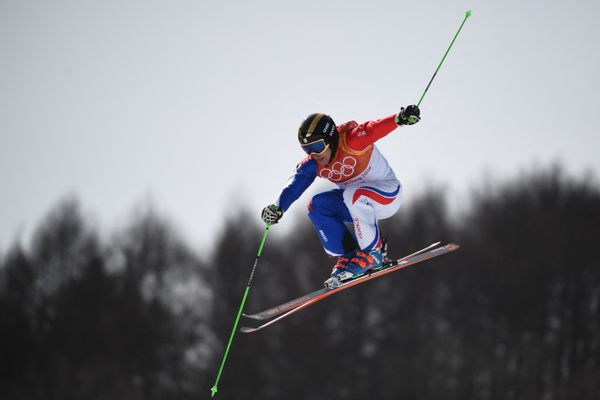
(340, 170)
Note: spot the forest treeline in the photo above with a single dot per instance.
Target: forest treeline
(514, 314)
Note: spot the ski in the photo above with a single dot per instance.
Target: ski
(280, 309)
(291, 307)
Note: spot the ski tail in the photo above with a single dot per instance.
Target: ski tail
(416, 253)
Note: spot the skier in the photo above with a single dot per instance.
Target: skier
(346, 218)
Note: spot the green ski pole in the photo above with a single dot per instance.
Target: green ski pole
(214, 389)
(467, 15)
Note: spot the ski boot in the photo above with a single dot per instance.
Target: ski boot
(354, 266)
(334, 282)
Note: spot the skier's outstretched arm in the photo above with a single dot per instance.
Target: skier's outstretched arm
(303, 177)
(369, 132)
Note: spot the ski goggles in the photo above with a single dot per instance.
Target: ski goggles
(317, 148)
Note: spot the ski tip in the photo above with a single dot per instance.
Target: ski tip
(246, 329)
(452, 246)
(468, 14)
(253, 316)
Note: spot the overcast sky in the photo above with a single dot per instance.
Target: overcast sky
(194, 105)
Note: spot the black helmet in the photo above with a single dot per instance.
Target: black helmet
(317, 132)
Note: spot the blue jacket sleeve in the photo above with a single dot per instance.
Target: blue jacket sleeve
(306, 172)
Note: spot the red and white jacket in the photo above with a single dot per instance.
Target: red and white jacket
(356, 161)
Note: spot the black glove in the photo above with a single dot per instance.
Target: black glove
(271, 214)
(408, 116)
